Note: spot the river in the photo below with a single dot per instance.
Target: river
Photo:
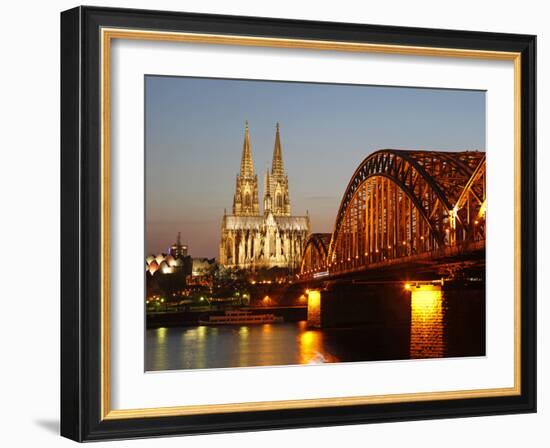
(437, 327)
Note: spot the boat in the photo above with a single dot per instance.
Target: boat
(241, 318)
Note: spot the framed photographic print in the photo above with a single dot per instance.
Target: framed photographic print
(273, 223)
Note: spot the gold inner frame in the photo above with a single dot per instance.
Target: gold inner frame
(107, 35)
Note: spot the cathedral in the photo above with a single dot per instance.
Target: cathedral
(274, 238)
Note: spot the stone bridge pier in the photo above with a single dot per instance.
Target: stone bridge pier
(356, 304)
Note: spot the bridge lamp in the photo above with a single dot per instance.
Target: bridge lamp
(408, 286)
(307, 291)
(476, 223)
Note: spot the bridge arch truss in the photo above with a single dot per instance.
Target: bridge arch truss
(402, 203)
(316, 253)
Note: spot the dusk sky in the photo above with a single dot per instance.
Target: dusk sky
(194, 135)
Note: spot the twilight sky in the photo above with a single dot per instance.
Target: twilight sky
(194, 130)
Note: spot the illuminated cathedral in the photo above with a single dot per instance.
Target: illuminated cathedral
(274, 238)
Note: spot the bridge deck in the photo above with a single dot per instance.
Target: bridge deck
(426, 264)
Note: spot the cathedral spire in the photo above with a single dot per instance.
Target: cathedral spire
(267, 192)
(277, 181)
(247, 166)
(245, 201)
(277, 166)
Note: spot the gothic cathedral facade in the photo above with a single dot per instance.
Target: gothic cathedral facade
(274, 238)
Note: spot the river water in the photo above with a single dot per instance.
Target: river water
(438, 326)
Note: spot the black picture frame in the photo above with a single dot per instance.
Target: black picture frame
(81, 224)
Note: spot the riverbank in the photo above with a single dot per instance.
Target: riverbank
(189, 318)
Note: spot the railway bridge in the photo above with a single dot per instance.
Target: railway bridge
(405, 215)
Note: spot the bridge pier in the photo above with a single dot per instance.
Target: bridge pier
(358, 304)
(432, 319)
(314, 305)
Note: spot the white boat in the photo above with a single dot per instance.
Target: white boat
(241, 318)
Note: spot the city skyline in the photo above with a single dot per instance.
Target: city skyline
(195, 131)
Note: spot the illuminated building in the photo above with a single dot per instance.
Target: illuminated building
(202, 266)
(178, 250)
(272, 239)
(176, 261)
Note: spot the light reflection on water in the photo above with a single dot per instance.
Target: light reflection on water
(203, 347)
(434, 330)
(311, 346)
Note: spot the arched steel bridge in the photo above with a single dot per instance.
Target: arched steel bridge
(403, 204)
